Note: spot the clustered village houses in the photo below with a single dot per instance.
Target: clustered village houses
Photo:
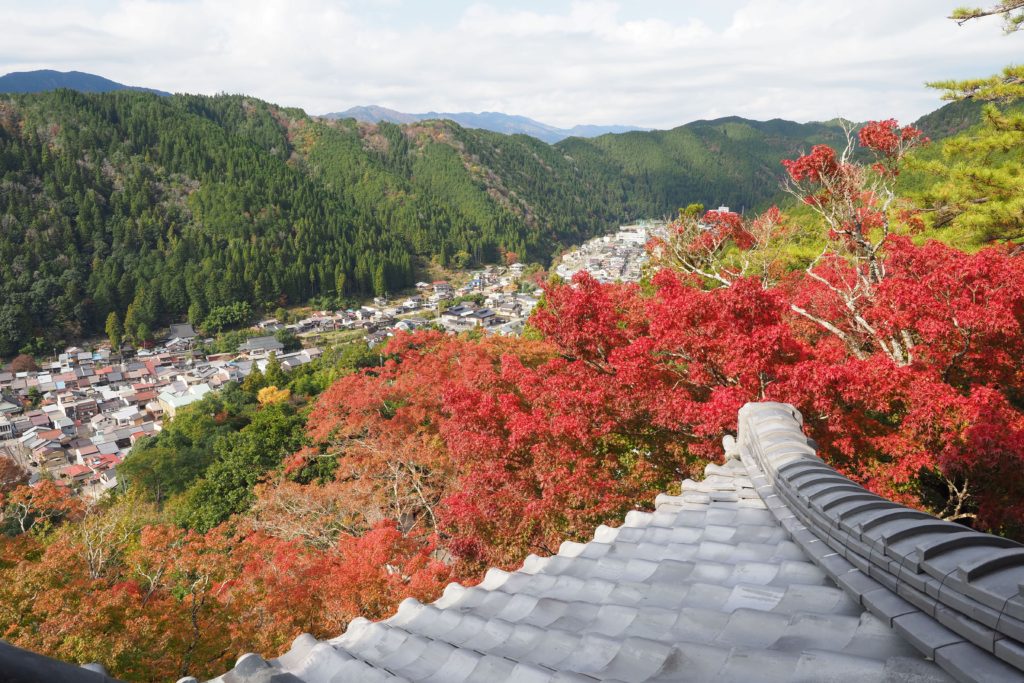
(77, 417)
(91, 407)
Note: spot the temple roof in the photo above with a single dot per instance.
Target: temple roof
(774, 567)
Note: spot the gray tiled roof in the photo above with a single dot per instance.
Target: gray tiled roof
(952, 592)
(773, 568)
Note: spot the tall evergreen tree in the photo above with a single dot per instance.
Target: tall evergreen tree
(114, 330)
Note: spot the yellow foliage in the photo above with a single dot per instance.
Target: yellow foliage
(269, 395)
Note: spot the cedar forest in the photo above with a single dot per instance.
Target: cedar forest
(886, 302)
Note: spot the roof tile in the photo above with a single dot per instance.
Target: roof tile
(733, 579)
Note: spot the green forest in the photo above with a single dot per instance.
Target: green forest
(160, 208)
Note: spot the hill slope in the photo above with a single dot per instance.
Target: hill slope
(45, 80)
(729, 161)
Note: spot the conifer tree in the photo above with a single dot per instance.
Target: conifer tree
(254, 381)
(114, 330)
(274, 375)
(980, 186)
(1012, 12)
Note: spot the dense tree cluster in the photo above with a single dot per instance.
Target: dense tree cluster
(156, 208)
(972, 184)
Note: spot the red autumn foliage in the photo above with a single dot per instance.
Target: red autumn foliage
(696, 245)
(495, 444)
(719, 227)
(890, 142)
(543, 454)
(590, 325)
(816, 166)
(948, 417)
(381, 568)
(26, 507)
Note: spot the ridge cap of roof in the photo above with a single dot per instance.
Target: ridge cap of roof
(956, 594)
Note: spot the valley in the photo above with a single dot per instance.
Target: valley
(161, 208)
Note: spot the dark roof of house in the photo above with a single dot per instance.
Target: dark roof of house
(261, 344)
(460, 309)
(773, 568)
(181, 331)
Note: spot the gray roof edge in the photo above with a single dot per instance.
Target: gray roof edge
(23, 666)
(955, 593)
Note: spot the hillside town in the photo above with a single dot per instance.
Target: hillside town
(618, 257)
(76, 417)
(494, 299)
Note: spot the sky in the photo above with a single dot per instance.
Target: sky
(650, 63)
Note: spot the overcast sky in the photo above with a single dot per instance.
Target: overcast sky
(657, 63)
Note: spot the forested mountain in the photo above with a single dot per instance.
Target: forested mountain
(374, 113)
(730, 161)
(494, 121)
(160, 207)
(43, 80)
(951, 119)
(156, 207)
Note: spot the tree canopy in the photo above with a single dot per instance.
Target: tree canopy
(1012, 12)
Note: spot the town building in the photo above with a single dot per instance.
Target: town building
(260, 347)
(619, 257)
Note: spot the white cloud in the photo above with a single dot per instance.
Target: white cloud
(646, 63)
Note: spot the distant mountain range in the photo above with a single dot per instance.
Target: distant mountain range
(44, 80)
(495, 121)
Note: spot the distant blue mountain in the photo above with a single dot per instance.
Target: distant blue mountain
(47, 79)
(487, 120)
